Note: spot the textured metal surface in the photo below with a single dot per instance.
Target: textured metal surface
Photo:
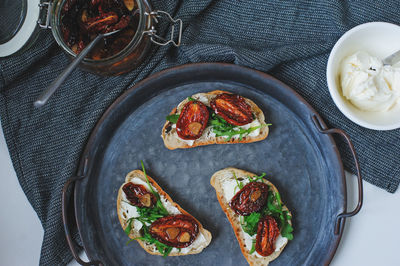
(300, 161)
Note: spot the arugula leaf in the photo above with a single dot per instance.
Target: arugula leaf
(191, 99)
(147, 181)
(222, 128)
(253, 246)
(250, 223)
(158, 203)
(149, 215)
(161, 208)
(287, 215)
(286, 230)
(129, 226)
(239, 184)
(257, 178)
(278, 198)
(172, 118)
(272, 203)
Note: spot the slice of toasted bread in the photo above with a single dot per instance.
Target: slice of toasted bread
(217, 181)
(123, 207)
(173, 141)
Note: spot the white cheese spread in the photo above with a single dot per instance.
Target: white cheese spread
(254, 133)
(369, 85)
(187, 141)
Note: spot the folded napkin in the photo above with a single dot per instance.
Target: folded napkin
(290, 40)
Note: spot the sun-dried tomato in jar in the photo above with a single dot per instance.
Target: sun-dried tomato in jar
(83, 20)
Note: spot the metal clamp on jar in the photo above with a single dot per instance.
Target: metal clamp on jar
(75, 23)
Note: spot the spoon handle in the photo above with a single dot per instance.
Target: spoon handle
(60, 79)
(392, 59)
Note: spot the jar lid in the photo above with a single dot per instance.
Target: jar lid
(18, 22)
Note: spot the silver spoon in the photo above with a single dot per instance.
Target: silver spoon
(391, 59)
(44, 97)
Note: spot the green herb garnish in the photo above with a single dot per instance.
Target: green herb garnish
(147, 181)
(257, 178)
(239, 183)
(273, 203)
(253, 246)
(222, 128)
(149, 215)
(250, 223)
(172, 118)
(191, 99)
(287, 229)
(129, 226)
(159, 207)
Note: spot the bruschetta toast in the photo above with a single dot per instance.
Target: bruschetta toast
(149, 215)
(261, 222)
(216, 117)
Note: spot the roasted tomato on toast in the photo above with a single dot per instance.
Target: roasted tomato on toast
(175, 230)
(267, 233)
(192, 121)
(251, 198)
(233, 108)
(138, 195)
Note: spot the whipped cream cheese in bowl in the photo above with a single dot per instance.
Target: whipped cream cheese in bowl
(364, 90)
(369, 85)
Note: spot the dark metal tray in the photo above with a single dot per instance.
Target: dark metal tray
(298, 157)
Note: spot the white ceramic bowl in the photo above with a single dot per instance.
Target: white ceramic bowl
(379, 39)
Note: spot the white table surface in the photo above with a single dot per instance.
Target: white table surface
(370, 238)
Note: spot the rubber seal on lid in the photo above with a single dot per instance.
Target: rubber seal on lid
(22, 24)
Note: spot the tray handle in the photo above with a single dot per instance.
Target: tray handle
(324, 130)
(64, 203)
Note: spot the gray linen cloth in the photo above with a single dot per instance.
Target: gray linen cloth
(290, 40)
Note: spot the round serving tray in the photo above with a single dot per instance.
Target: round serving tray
(298, 157)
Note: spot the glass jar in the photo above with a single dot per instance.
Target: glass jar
(128, 58)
